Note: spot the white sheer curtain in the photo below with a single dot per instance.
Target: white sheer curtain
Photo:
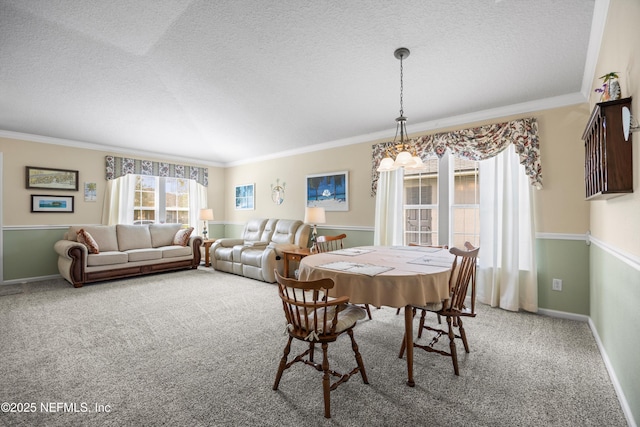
(507, 276)
(197, 201)
(118, 201)
(389, 209)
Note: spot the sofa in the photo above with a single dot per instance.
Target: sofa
(93, 253)
(258, 251)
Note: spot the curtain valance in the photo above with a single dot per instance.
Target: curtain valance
(120, 166)
(477, 143)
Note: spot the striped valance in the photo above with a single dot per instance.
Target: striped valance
(476, 143)
(120, 166)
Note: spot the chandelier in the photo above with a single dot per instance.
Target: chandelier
(401, 153)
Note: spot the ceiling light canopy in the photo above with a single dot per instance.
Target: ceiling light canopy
(401, 153)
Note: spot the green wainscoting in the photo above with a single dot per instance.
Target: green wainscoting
(567, 260)
(615, 298)
(28, 253)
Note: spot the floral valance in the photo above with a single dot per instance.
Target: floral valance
(476, 143)
(120, 166)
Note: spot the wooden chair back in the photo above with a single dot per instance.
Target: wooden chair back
(463, 274)
(330, 243)
(310, 315)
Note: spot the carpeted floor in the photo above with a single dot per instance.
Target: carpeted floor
(201, 348)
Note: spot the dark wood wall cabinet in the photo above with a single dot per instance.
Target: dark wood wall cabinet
(608, 162)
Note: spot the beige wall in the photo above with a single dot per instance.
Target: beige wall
(560, 205)
(615, 221)
(91, 167)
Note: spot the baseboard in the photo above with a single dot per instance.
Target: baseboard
(30, 279)
(614, 379)
(563, 315)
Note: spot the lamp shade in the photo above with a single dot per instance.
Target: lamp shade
(314, 215)
(386, 165)
(206, 214)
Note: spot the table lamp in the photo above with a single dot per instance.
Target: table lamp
(314, 216)
(206, 215)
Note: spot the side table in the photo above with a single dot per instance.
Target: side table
(207, 244)
(293, 255)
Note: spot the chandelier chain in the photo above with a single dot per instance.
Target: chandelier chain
(401, 86)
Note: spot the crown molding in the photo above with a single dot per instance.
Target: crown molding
(99, 147)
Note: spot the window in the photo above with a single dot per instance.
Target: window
(441, 203)
(161, 200)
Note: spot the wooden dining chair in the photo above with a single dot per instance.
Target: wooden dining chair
(463, 274)
(330, 243)
(313, 318)
(334, 243)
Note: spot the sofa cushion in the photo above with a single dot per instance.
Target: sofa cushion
(144, 254)
(269, 229)
(86, 239)
(182, 236)
(133, 237)
(253, 230)
(285, 231)
(163, 234)
(175, 251)
(104, 235)
(107, 258)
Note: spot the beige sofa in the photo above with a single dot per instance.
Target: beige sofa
(259, 250)
(123, 251)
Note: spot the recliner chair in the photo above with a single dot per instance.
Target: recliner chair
(259, 249)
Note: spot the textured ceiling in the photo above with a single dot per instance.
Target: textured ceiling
(226, 80)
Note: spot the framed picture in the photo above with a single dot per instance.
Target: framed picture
(90, 191)
(40, 203)
(245, 197)
(329, 191)
(52, 179)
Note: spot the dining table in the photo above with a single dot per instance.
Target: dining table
(393, 276)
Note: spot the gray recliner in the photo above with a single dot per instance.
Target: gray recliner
(259, 250)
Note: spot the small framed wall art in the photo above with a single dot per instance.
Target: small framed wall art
(42, 203)
(245, 197)
(328, 190)
(51, 179)
(90, 191)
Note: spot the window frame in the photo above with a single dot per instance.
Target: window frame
(444, 205)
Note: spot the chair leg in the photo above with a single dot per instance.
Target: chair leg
(402, 348)
(452, 345)
(359, 361)
(312, 347)
(421, 327)
(326, 382)
(463, 335)
(283, 363)
(366, 307)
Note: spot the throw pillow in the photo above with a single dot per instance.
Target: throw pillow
(182, 236)
(86, 239)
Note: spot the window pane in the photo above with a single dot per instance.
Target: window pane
(421, 226)
(161, 199)
(466, 226)
(177, 201)
(466, 205)
(466, 190)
